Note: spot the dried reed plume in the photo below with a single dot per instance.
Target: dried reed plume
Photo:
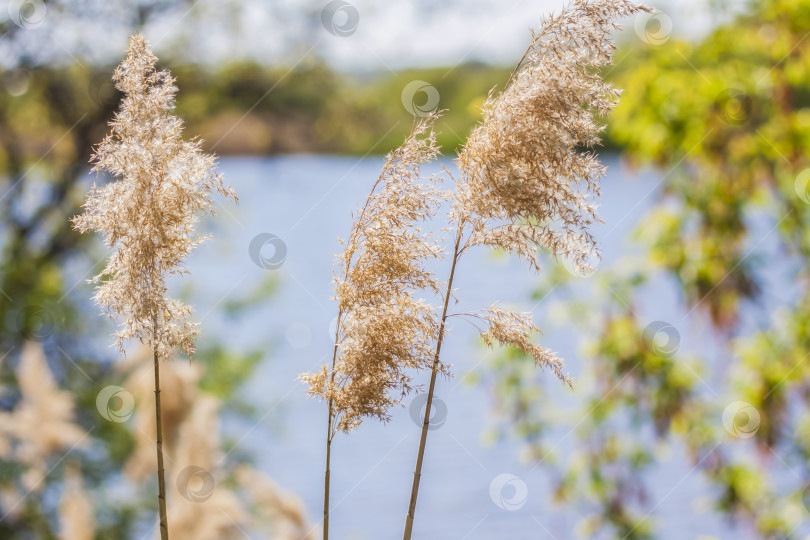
(524, 183)
(383, 328)
(42, 423)
(75, 509)
(148, 217)
(205, 504)
(283, 511)
(200, 511)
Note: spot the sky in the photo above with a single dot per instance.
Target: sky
(355, 35)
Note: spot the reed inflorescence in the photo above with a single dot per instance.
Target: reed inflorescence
(527, 181)
(148, 217)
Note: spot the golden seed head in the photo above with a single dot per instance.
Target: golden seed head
(148, 216)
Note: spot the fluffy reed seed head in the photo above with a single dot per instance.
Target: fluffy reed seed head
(76, 521)
(42, 423)
(384, 328)
(517, 330)
(148, 216)
(525, 183)
(284, 512)
(217, 514)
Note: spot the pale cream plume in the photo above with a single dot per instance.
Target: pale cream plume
(75, 509)
(525, 184)
(42, 423)
(201, 510)
(284, 513)
(384, 328)
(148, 218)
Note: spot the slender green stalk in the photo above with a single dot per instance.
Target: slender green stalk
(417, 473)
(164, 522)
(326, 480)
(329, 435)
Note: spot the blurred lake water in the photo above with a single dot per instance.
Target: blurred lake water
(307, 201)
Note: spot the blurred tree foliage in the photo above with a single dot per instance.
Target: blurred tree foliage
(246, 108)
(727, 121)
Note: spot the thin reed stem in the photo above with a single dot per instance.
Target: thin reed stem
(417, 473)
(148, 217)
(330, 400)
(164, 522)
(383, 326)
(326, 486)
(326, 480)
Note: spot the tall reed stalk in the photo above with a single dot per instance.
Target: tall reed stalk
(524, 182)
(161, 470)
(329, 436)
(383, 329)
(417, 473)
(148, 218)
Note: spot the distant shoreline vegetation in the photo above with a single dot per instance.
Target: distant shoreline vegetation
(251, 109)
